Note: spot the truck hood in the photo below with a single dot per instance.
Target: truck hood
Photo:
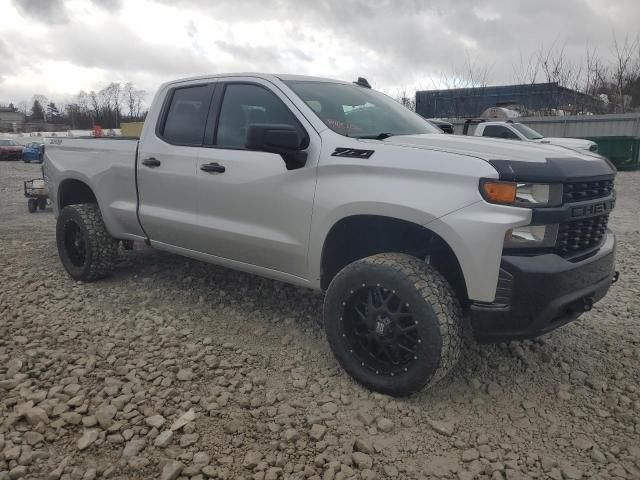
(488, 148)
(567, 142)
(516, 161)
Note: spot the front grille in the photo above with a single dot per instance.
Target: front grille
(582, 191)
(581, 235)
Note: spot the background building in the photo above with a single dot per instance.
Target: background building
(10, 119)
(536, 98)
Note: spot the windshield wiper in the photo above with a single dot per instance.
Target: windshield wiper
(380, 136)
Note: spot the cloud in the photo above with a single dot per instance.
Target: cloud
(395, 44)
(110, 5)
(124, 51)
(47, 11)
(5, 60)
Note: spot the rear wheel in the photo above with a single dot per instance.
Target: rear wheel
(42, 203)
(86, 249)
(393, 323)
(32, 205)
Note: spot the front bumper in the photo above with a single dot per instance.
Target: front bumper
(537, 294)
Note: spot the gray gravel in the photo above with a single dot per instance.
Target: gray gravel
(175, 369)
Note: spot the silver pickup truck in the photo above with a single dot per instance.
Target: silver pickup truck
(336, 187)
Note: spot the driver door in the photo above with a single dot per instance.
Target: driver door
(251, 208)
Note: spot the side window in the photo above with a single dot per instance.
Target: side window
(498, 131)
(187, 115)
(243, 105)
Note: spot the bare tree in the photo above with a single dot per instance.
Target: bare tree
(526, 71)
(406, 99)
(133, 99)
(625, 69)
(470, 74)
(37, 110)
(556, 66)
(23, 107)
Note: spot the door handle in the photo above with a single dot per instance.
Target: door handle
(151, 162)
(212, 168)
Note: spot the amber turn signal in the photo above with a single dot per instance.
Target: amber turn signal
(494, 191)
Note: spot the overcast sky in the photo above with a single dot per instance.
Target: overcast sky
(58, 47)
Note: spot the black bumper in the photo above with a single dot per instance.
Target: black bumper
(537, 294)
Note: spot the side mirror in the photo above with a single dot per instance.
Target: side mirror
(282, 139)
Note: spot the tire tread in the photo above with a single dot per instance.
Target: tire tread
(103, 246)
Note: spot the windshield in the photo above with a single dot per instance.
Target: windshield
(359, 112)
(8, 143)
(530, 133)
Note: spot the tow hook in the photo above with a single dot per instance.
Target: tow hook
(587, 304)
(616, 276)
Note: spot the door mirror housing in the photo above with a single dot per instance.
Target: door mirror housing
(282, 139)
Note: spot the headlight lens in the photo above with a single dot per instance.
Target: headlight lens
(531, 236)
(521, 194)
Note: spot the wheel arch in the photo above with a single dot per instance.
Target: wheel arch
(358, 236)
(73, 191)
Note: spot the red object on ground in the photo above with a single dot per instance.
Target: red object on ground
(97, 131)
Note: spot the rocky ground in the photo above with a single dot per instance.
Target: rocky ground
(177, 369)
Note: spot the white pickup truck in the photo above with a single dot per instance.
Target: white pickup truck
(509, 130)
(336, 187)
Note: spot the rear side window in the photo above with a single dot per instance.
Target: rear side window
(245, 104)
(187, 115)
(498, 131)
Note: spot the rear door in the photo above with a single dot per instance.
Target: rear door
(252, 208)
(167, 165)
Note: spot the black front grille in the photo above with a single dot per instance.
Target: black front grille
(581, 235)
(582, 191)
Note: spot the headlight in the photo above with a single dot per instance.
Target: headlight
(531, 236)
(521, 194)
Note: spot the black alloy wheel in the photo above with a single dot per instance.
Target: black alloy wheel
(74, 243)
(381, 330)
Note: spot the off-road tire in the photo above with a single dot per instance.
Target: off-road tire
(101, 248)
(32, 205)
(42, 203)
(436, 310)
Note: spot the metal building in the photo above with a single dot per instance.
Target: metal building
(471, 102)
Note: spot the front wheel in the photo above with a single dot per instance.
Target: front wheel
(394, 323)
(86, 249)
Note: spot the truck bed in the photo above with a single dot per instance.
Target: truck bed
(108, 166)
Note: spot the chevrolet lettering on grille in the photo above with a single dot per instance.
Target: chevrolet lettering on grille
(593, 209)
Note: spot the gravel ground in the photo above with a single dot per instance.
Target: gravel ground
(177, 369)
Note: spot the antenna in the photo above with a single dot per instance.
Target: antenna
(362, 82)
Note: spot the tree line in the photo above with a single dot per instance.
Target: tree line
(107, 107)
